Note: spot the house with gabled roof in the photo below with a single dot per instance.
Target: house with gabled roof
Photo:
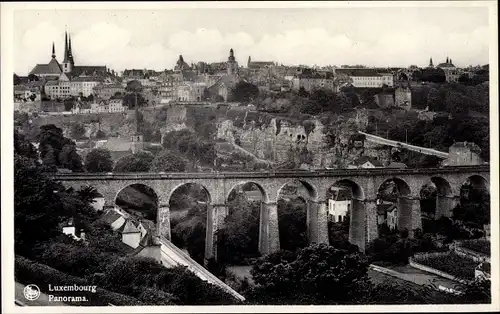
(114, 219)
(365, 162)
(131, 235)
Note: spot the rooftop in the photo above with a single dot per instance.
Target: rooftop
(364, 159)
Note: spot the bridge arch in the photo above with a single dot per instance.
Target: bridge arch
(477, 182)
(399, 206)
(443, 186)
(263, 193)
(187, 217)
(189, 183)
(142, 189)
(401, 186)
(239, 238)
(346, 213)
(311, 189)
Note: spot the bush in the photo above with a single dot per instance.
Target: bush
(317, 274)
(479, 245)
(451, 263)
(30, 272)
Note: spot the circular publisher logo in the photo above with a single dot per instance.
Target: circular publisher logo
(31, 292)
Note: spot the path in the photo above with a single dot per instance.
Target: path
(421, 277)
(43, 300)
(422, 150)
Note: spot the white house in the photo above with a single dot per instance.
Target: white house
(131, 235)
(98, 203)
(114, 219)
(365, 162)
(339, 205)
(70, 229)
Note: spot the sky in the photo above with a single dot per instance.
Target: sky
(154, 39)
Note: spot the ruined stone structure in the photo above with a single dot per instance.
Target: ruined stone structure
(364, 184)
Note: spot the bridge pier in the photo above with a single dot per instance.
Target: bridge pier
(317, 222)
(409, 214)
(163, 221)
(357, 224)
(269, 237)
(371, 231)
(445, 205)
(215, 220)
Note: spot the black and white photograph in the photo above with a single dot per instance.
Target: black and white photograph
(175, 156)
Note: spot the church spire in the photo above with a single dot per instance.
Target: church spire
(430, 63)
(66, 53)
(53, 50)
(70, 51)
(447, 60)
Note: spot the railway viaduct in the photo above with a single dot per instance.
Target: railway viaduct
(364, 184)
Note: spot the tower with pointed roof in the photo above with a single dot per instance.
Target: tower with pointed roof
(53, 51)
(431, 64)
(232, 65)
(67, 65)
(70, 56)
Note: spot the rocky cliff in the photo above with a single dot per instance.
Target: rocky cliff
(309, 144)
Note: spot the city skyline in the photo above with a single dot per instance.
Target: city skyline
(321, 36)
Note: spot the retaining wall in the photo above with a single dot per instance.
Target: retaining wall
(435, 271)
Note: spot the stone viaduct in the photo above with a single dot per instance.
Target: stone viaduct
(364, 184)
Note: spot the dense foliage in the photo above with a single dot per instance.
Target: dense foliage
(451, 263)
(188, 143)
(238, 240)
(474, 206)
(167, 161)
(41, 205)
(292, 224)
(138, 162)
(244, 92)
(188, 218)
(99, 160)
(57, 151)
(479, 245)
(317, 274)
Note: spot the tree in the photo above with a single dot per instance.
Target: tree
(167, 161)
(317, 274)
(434, 101)
(23, 147)
(129, 100)
(99, 160)
(239, 238)
(134, 86)
(51, 141)
(37, 208)
(292, 224)
(474, 206)
(100, 134)
(87, 194)
(138, 162)
(77, 131)
(244, 91)
(69, 158)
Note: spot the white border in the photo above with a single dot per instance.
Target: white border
(6, 37)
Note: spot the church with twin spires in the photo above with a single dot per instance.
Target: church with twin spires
(68, 67)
